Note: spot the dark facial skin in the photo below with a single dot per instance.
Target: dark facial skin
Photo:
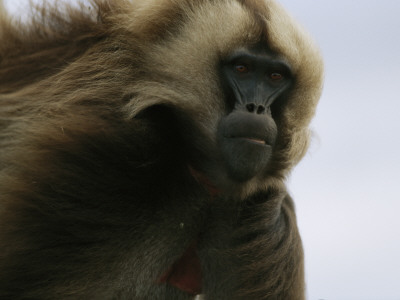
(253, 81)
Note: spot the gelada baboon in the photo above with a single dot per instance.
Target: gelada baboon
(145, 146)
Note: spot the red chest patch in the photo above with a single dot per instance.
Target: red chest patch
(185, 273)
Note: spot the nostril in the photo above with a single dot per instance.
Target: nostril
(251, 107)
(260, 109)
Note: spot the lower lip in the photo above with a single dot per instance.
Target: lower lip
(256, 141)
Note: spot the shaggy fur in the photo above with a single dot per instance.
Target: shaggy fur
(102, 110)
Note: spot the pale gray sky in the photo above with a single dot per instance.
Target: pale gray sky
(346, 188)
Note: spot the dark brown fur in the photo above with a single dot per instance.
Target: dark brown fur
(102, 114)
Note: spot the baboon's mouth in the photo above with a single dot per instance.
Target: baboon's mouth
(254, 140)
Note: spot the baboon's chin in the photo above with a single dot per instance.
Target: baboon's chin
(244, 158)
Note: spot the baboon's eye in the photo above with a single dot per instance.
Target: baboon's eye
(275, 76)
(241, 68)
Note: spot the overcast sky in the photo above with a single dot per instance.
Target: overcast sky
(346, 188)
